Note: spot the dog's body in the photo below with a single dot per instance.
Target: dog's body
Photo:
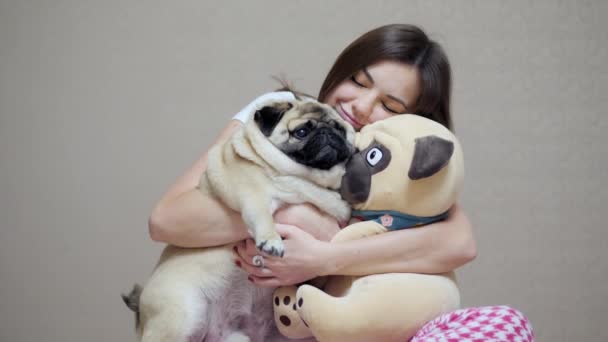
(250, 175)
(200, 294)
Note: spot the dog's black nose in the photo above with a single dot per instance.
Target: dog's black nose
(323, 150)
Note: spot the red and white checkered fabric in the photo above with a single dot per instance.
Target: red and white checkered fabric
(490, 323)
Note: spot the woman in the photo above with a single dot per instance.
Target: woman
(388, 71)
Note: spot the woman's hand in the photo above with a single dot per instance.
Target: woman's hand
(309, 219)
(305, 231)
(304, 259)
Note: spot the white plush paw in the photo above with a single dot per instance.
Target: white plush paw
(286, 316)
(272, 246)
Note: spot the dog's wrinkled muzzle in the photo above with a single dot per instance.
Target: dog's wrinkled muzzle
(324, 150)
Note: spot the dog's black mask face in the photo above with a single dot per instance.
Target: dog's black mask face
(323, 145)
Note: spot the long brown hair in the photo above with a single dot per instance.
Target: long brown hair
(407, 44)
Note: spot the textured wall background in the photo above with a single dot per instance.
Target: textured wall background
(103, 104)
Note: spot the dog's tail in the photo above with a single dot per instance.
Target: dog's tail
(132, 302)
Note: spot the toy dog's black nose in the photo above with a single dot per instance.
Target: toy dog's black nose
(356, 183)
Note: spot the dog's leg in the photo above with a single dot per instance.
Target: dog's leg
(258, 218)
(175, 316)
(158, 331)
(326, 200)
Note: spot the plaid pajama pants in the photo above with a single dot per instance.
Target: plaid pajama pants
(483, 324)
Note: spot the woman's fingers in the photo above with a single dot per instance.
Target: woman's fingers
(295, 266)
(245, 252)
(265, 282)
(254, 271)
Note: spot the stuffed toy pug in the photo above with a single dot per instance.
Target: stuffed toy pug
(408, 172)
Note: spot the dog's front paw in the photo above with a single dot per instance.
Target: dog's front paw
(272, 246)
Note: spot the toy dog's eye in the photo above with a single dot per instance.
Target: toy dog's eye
(374, 156)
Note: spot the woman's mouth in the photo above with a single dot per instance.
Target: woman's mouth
(349, 118)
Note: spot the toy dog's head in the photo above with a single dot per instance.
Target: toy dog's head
(406, 163)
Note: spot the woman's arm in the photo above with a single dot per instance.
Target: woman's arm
(432, 249)
(186, 217)
(436, 248)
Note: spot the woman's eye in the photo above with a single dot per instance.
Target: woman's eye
(354, 80)
(389, 109)
(301, 133)
(374, 156)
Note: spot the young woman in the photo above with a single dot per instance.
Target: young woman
(388, 71)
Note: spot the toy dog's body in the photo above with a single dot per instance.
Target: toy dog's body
(409, 165)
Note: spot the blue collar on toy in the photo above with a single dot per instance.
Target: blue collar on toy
(394, 220)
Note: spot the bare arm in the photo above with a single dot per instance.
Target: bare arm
(186, 217)
(432, 249)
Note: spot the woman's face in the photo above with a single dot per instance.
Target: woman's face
(376, 92)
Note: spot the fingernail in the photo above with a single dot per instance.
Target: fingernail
(238, 263)
(250, 279)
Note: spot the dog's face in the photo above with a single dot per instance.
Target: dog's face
(311, 133)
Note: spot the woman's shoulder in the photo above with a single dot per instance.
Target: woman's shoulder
(244, 114)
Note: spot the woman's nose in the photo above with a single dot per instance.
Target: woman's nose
(363, 106)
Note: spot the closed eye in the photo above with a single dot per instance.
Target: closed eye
(354, 80)
(389, 109)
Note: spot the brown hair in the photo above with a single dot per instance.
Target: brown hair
(407, 44)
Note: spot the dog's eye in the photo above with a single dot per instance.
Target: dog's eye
(374, 156)
(301, 133)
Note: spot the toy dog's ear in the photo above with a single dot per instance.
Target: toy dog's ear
(431, 155)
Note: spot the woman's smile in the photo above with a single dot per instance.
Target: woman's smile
(348, 117)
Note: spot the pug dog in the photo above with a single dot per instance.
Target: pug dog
(292, 152)
(289, 152)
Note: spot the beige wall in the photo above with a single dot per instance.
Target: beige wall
(103, 104)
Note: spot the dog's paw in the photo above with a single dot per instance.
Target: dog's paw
(272, 246)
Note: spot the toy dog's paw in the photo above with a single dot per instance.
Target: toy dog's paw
(273, 246)
(314, 305)
(286, 316)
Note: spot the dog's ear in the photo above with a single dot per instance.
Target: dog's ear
(268, 117)
(432, 154)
